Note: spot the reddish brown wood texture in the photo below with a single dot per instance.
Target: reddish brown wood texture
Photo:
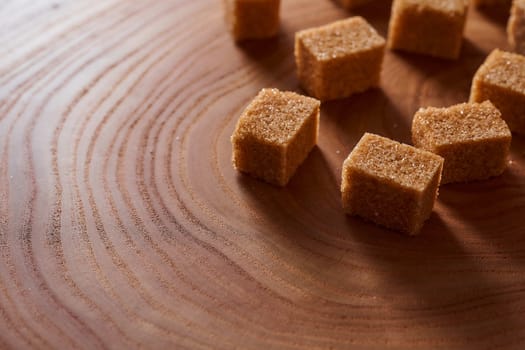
(124, 225)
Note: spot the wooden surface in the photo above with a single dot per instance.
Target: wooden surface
(123, 224)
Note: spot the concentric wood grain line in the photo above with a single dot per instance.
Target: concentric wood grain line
(58, 61)
(87, 176)
(100, 228)
(186, 132)
(191, 109)
(28, 230)
(119, 152)
(119, 262)
(47, 49)
(154, 215)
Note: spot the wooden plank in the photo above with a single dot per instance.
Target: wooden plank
(124, 225)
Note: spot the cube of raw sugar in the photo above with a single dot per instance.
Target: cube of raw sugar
(274, 135)
(339, 59)
(516, 26)
(481, 3)
(391, 184)
(351, 4)
(471, 137)
(252, 19)
(430, 27)
(501, 79)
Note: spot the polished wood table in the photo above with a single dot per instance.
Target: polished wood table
(123, 224)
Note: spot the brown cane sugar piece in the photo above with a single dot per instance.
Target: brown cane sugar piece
(481, 3)
(429, 27)
(501, 79)
(252, 19)
(391, 184)
(339, 59)
(274, 135)
(471, 137)
(516, 26)
(351, 4)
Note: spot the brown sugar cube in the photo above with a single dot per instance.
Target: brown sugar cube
(501, 79)
(339, 59)
(252, 19)
(274, 135)
(351, 4)
(430, 27)
(516, 27)
(481, 3)
(391, 184)
(471, 137)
